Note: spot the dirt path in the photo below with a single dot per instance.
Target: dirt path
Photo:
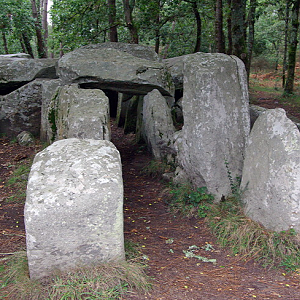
(162, 236)
(148, 222)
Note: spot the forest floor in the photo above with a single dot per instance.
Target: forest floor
(161, 235)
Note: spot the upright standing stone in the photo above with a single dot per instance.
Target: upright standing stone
(74, 206)
(79, 113)
(271, 175)
(216, 120)
(158, 125)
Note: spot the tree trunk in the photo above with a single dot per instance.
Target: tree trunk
(157, 40)
(219, 34)
(199, 27)
(44, 9)
(128, 8)
(112, 16)
(251, 22)
(27, 44)
(168, 45)
(286, 35)
(238, 11)
(4, 42)
(61, 50)
(289, 85)
(42, 53)
(157, 30)
(22, 44)
(229, 28)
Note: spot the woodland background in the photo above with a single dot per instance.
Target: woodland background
(263, 33)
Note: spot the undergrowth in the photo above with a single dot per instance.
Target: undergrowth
(190, 201)
(104, 281)
(156, 168)
(236, 231)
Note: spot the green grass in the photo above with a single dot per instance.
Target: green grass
(109, 280)
(18, 182)
(246, 237)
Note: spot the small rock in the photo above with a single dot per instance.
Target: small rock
(25, 138)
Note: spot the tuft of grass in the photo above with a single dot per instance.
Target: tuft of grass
(235, 230)
(156, 168)
(189, 201)
(248, 238)
(18, 182)
(103, 281)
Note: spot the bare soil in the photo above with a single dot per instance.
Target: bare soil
(162, 235)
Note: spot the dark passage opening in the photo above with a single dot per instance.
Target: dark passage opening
(113, 102)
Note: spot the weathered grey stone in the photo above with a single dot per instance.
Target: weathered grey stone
(123, 103)
(15, 72)
(50, 89)
(136, 50)
(25, 138)
(21, 110)
(177, 111)
(131, 114)
(216, 121)
(74, 206)
(79, 113)
(175, 66)
(16, 55)
(256, 111)
(271, 174)
(114, 69)
(158, 126)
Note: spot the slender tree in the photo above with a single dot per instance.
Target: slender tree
(198, 26)
(289, 85)
(286, 34)
(42, 52)
(44, 14)
(112, 20)
(27, 44)
(251, 22)
(238, 29)
(219, 33)
(128, 8)
(4, 42)
(229, 28)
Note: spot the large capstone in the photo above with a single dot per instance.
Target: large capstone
(271, 175)
(115, 68)
(16, 71)
(158, 126)
(216, 121)
(79, 113)
(74, 206)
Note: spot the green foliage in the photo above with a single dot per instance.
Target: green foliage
(15, 19)
(104, 281)
(234, 183)
(189, 201)
(79, 22)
